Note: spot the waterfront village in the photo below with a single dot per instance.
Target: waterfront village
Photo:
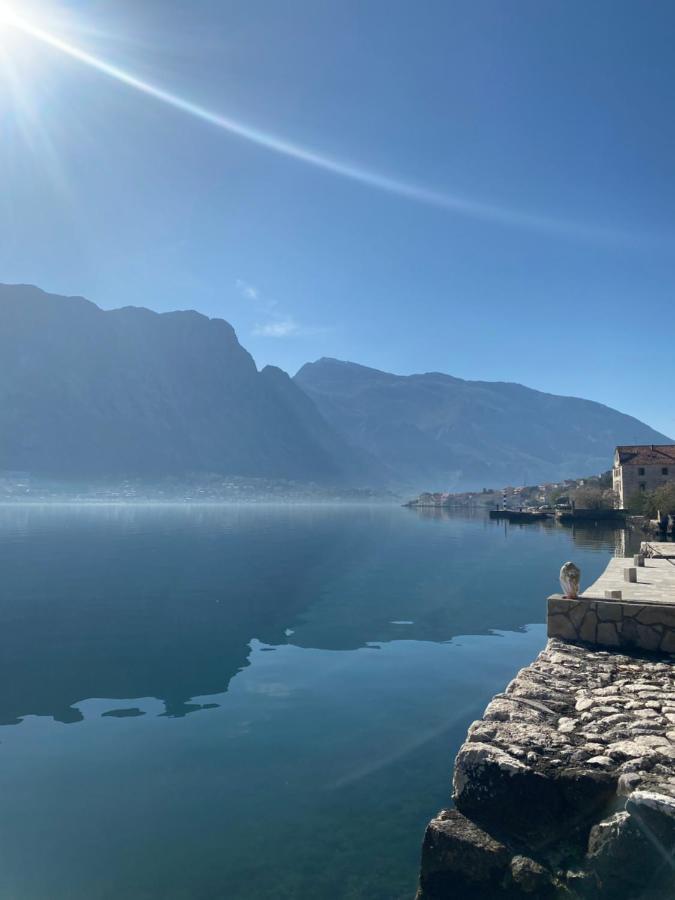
(565, 788)
(639, 490)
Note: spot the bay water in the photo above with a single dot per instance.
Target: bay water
(250, 702)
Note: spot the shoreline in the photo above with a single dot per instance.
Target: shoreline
(565, 788)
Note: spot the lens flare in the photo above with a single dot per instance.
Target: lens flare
(451, 202)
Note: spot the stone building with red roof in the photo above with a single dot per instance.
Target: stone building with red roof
(640, 468)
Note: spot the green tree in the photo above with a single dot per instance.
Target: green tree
(664, 499)
(640, 503)
(591, 497)
(649, 503)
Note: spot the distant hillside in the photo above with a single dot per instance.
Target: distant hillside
(436, 432)
(87, 392)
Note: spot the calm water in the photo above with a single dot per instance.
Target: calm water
(257, 702)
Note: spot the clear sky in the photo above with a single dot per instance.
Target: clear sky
(480, 188)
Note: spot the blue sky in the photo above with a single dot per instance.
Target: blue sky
(529, 235)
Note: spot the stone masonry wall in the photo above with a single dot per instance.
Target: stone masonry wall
(627, 479)
(613, 623)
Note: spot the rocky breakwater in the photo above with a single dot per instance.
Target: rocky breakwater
(565, 787)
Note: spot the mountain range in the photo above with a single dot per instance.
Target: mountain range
(434, 429)
(130, 392)
(86, 392)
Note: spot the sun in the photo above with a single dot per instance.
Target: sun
(12, 24)
(17, 50)
(8, 15)
(17, 16)
(10, 36)
(25, 28)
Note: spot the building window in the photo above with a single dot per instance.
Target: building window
(664, 470)
(641, 471)
(643, 486)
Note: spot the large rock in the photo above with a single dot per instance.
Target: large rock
(570, 774)
(460, 860)
(505, 795)
(632, 853)
(530, 878)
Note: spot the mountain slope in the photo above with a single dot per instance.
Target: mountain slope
(434, 431)
(87, 392)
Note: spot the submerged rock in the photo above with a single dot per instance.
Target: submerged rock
(461, 860)
(458, 855)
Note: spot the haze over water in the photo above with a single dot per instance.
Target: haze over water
(249, 702)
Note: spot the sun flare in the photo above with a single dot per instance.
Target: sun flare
(48, 24)
(18, 21)
(6, 22)
(8, 18)
(30, 19)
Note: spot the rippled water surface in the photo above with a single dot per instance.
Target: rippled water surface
(249, 702)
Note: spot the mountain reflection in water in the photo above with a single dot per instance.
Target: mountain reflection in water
(335, 654)
(126, 602)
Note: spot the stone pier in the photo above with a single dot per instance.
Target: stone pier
(566, 786)
(643, 619)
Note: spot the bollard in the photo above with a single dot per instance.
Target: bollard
(613, 595)
(638, 560)
(630, 575)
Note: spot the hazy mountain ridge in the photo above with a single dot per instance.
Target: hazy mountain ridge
(85, 391)
(436, 431)
(130, 392)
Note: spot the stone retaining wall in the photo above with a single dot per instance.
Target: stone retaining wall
(613, 623)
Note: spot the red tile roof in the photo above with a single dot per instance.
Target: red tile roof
(646, 455)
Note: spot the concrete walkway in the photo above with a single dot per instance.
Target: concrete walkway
(663, 549)
(655, 581)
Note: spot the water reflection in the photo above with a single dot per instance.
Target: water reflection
(130, 602)
(598, 535)
(330, 661)
(124, 603)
